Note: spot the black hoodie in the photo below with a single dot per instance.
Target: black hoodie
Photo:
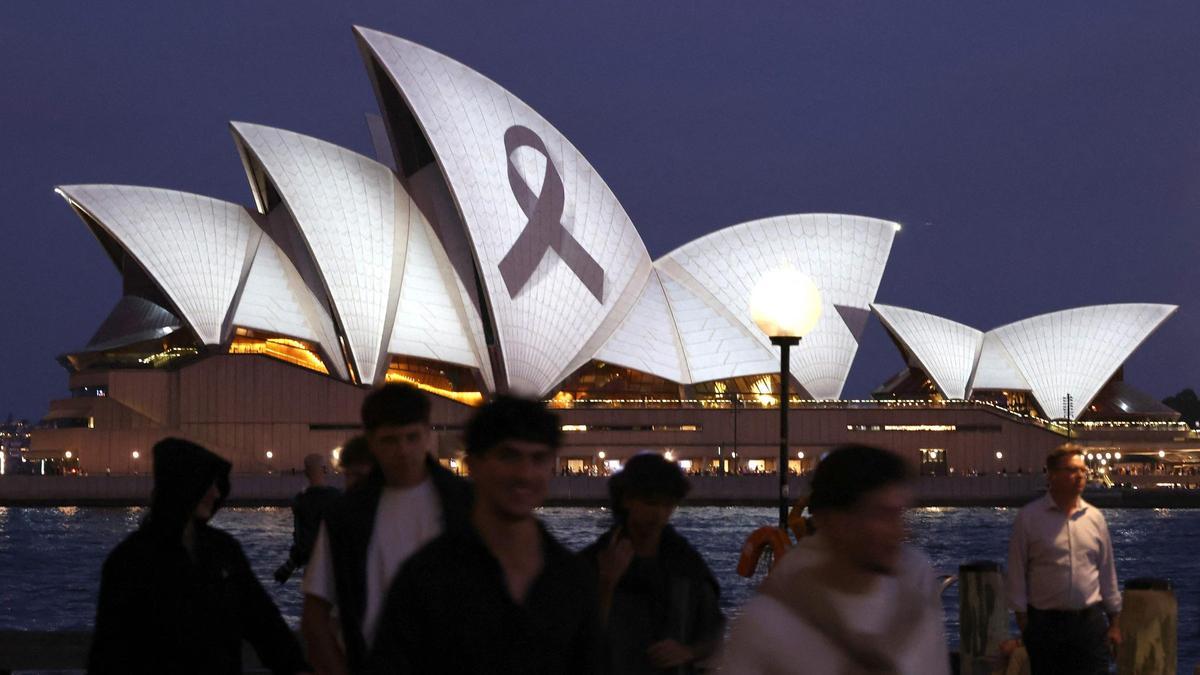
(162, 610)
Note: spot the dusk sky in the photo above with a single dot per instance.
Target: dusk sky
(1039, 155)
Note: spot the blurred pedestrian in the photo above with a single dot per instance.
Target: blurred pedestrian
(356, 462)
(370, 531)
(308, 507)
(178, 596)
(1062, 576)
(854, 597)
(500, 595)
(658, 599)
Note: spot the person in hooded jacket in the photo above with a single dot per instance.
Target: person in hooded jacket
(659, 599)
(178, 596)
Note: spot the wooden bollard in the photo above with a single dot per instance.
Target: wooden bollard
(1149, 623)
(982, 618)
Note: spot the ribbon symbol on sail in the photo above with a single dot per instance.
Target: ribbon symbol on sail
(544, 230)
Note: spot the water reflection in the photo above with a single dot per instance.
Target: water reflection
(69, 546)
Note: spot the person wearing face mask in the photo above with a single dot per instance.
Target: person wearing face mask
(178, 596)
(854, 598)
(659, 600)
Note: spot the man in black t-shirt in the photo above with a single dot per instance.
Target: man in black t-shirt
(499, 595)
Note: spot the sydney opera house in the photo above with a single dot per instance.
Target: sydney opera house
(480, 252)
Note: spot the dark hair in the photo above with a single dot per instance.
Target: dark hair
(849, 472)
(1060, 454)
(647, 475)
(356, 451)
(394, 405)
(511, 418)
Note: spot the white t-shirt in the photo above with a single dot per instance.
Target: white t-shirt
(406, 520)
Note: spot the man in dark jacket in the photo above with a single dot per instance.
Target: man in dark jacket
(308, 508)
(658, 597)
(373, 528)
(500, 595)
(178, 596)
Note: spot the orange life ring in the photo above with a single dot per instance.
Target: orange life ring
(756, 543)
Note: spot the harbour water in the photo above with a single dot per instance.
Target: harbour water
(50, 558)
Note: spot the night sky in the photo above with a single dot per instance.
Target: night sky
(1040, 156)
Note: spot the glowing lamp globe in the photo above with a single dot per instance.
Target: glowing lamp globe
(785, 303)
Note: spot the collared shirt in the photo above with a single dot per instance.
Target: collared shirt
(1060, 562)
(450, 611)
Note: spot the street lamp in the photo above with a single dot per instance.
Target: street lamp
(785, 305)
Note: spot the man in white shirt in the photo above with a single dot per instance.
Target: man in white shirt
(1062, 579)
(371, 530)
(854, 598)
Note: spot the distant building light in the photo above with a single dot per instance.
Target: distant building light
(270, 454)
(1116, 455)
(999, 455)
(1161, 454)
(135, 454)
(685, 464)
(800, 455)
(68, 454)
(574, 427)
(601, 454)
(669, 456)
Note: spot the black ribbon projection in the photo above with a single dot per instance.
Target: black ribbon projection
(544, 230)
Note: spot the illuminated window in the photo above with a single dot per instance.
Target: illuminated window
(289, 350)
(448, 381)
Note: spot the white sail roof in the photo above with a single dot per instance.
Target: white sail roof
(946, 350)
(559, 260)
(354, 217)
(995, 368)
(843, 255)
(715, 345)
(276, 300)
(431, 318)
(1076, 351)
(197, 249)
(648, 338)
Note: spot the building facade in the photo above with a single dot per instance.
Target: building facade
(480, 252)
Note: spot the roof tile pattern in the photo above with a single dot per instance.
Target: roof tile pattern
(276, 300)
(996, 369)
(648, 339)
(715, 345)
(544, 326)
(353, 214)
(430, 321)
(843, 255)
(196, 248)
(1076, 351)
(946, 350)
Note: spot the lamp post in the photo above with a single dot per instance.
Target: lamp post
(785, 305)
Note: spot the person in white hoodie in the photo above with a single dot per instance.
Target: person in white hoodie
(854, 598)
